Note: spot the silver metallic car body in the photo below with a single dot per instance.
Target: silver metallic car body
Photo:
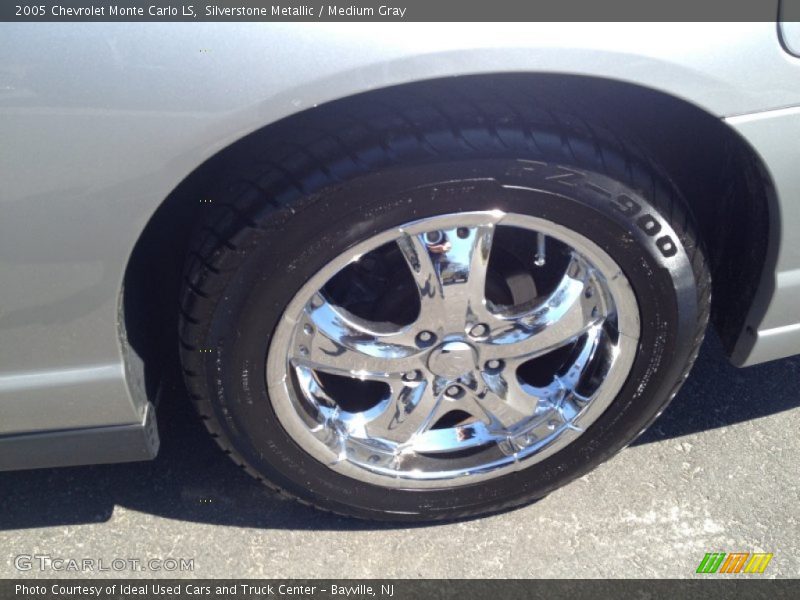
(100, 122)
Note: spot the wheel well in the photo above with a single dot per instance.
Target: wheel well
(722, 177)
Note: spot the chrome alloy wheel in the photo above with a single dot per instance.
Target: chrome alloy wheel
(453, 349)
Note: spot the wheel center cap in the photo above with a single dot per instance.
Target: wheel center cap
(452, 359)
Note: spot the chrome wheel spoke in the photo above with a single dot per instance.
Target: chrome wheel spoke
(498, 414)
(326, 355)
(334, 340)
(522, 398)
(449, 267)
(411, 408)
(424, 270)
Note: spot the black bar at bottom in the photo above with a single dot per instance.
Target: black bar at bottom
(703, 587)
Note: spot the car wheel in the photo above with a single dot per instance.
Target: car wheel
(424, 335)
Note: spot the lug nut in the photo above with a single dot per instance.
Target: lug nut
(434, 237)
(425, 338)
(453, 391)
(479, 330)
(411, 376)
(493, 365)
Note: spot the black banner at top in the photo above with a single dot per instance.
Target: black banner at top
(396, 10)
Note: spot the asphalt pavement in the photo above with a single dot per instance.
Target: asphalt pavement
(718, 472)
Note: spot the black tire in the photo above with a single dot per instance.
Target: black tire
(278, 220)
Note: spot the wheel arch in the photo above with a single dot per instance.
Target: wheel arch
(716, 169)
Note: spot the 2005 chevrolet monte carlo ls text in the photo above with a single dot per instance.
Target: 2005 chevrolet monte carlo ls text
(210, 10)
(409, 272)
